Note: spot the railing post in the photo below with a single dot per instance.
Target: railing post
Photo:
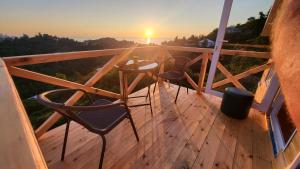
(203, 72)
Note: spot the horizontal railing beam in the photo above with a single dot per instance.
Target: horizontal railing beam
(262, 55)
(55, 57)
(59, 82)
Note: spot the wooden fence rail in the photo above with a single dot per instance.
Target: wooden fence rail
(234, 79)
(119, 55)
(19, 147)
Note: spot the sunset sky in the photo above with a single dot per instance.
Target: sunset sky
(92, 19)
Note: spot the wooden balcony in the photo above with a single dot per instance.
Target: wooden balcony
(190, 134)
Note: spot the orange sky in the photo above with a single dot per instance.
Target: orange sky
(120, 18)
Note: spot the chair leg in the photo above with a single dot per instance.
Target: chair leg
(177, 93)
(156, 83)
(65, 141)
(133, 127)
(154, 87)
(148, 92)
(102, 151)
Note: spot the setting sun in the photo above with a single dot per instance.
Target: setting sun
(148, 32)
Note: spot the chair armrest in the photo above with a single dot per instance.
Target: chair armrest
(87, 94)
(96, 107)
(42, 98)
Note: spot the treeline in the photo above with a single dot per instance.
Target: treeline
(44, 43)
(76, 70)
(246, 33)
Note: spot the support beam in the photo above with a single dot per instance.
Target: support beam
(219, 43)
(203, 72)
(191, 81)
(135, 82)
(230, 76)
(194, 61)
(242, 75)
(58, 82)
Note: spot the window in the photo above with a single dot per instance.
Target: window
(281, 124)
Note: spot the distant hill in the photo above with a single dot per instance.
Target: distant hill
(74, 70)
(3, 37)
(44, 43)
(245, 33)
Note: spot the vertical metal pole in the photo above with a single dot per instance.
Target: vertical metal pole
(218, 45)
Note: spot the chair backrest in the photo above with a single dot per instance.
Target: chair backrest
(59, 107)
(69, 111)
(181, 63)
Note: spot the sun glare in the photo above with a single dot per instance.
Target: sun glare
(148, 34)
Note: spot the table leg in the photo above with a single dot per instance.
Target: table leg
(121, 78)
(125, 87)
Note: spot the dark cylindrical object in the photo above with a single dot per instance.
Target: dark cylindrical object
(236, 102)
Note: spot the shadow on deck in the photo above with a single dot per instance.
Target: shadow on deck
(190, 134)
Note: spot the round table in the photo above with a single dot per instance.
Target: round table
(135, 66)
(138, 66)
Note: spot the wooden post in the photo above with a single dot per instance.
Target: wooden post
(19, 147)
(218, 46)
(202, 72)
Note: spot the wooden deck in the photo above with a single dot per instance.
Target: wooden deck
(191, 134)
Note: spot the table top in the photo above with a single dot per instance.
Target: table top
(138, 66)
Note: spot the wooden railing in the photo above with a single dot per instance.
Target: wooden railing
(118, 55)
(205, 54)
(19, 147)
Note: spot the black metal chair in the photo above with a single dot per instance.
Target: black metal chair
(175, 75)
(99, 116)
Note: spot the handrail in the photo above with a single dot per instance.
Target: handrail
(263, 55)
(19, 147)
(247, 45)
(55, 57)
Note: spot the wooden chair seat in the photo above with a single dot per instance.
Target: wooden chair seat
(103, 120)
(172, 75)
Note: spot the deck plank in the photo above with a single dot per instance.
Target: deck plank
(190, 134)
